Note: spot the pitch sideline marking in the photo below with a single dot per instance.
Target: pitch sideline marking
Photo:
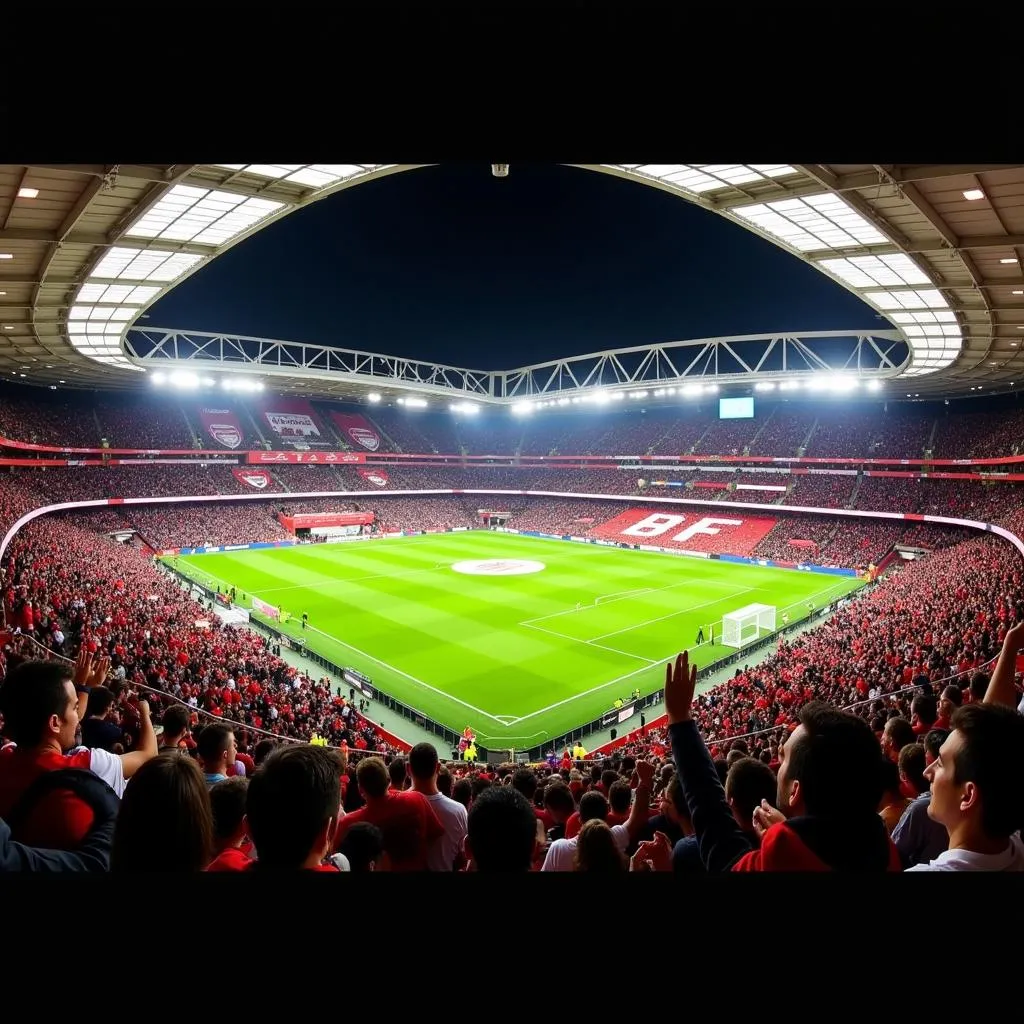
(419, 682)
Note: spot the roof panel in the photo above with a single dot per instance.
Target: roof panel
(880, 230)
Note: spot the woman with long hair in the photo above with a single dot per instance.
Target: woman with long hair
(596, 849)
(165, 822)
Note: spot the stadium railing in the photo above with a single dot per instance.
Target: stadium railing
(162, 697)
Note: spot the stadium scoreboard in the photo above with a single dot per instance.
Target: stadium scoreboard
(736, 408)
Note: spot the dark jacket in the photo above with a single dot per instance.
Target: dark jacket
(798, 844)
(94, 852)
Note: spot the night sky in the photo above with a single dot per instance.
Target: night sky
(451, 264)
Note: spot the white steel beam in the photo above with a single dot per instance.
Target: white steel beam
(705, 360)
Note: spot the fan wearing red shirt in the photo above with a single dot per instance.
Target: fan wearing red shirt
(406, 819)
(231, 840)
(41, 715)
(291, 811)
(620, 796)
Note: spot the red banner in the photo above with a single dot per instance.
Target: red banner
(223, 426)
(307, 520)
(689, 531)
(360, 432)
(295, 423)
(307, 458)
(377, 477)
(257, 478)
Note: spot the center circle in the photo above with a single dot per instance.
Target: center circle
(498, 567)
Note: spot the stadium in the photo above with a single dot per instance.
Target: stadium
(247, 554)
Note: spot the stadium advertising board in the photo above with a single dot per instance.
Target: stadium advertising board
(359, 682)
(263, 608)
(305, 458)
(827, 570)
(309, 520)
(295, 423)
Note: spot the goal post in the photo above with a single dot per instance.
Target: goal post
(745, 625)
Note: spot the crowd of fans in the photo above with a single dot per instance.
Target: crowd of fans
(813, 428)
(942, 620)
(821, 490)
(68, 589)
(849, 543)
(262, 765)
(784, 433)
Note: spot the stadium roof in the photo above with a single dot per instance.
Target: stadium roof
(85, 249)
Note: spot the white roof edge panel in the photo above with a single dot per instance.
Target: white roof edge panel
(215, 204)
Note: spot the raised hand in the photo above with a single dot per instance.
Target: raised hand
(83, 667)
(643, 774)
(98, 675)
(653, 855)
(765, 816)
(680, 683)
(1014, 639)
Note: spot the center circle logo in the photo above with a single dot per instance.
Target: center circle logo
(498, 567)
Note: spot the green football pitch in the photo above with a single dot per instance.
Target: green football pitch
(524, 649)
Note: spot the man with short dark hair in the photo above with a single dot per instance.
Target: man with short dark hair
(977, 791)
(828, 789)
(924, 710)
(898, 732)
(232, 847)
(216, 749)
(918, 837)
(363, 847)
(98, 728)
(175, 729)
(41, 715)
(446, 852)
(406, 819)
(749, 784)
(501, 831)
(291, 809)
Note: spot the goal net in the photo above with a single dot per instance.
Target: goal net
(745, 625)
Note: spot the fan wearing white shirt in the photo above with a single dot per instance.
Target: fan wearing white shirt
(593, 805)
(446, 853)
(977, 791)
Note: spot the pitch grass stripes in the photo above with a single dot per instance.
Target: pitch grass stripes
(460, 648)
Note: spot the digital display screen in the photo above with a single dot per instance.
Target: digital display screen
(736, 408)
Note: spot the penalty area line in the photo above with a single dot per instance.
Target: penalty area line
(589, 643)
(671, 615)
(629, 675)
(624, 595)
